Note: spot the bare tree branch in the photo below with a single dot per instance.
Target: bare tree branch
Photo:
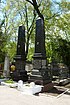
(36, 7)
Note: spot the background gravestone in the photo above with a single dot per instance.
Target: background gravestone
(6, 72)
(20, 72)
(40, 72)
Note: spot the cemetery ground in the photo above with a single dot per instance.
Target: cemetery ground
(59, 95)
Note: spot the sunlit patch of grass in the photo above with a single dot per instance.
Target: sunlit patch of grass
(9, 81)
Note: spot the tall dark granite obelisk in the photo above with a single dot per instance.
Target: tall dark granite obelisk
(20, 72)
(40, 72)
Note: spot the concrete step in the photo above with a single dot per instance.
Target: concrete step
(36, 77)
(36, 72)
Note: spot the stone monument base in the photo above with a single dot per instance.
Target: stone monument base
(48, 87)
(39, 77)
(16, 76)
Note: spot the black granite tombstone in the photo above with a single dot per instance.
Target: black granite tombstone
(20, 73)
(40, 72)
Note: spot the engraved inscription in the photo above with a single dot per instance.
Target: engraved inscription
(44, 64)
(37, 64)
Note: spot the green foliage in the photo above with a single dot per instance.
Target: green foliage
(64, 51)
(65, 5)
(9, 81)
(30, 54)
